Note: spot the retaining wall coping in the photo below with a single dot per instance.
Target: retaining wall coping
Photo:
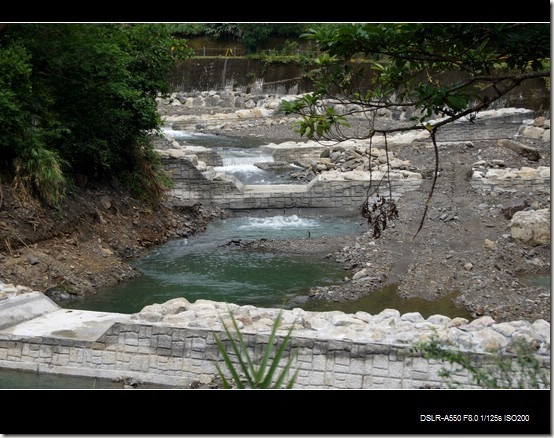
(59, 324)
(23, 307)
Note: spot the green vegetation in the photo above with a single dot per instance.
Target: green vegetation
(252, 35)
(411, 66)
(79, 99)
(256, 375)
(519, 370)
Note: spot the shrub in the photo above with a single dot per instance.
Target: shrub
(256, 375)
(521, 369)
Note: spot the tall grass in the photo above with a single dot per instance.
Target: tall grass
(39, 171)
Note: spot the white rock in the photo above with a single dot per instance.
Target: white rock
(542, 327)
(531, 226)
(412, 317)
(489, 340)
(360, 274)
(505, 329)
(176, 305)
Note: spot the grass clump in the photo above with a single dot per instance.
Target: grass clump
(262, 374)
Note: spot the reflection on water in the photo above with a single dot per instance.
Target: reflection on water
(387, 298)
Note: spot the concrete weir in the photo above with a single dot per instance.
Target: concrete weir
(173, 343)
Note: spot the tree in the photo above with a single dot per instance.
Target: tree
(80, 99)
(438, 73)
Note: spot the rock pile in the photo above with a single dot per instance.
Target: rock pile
(387, 327)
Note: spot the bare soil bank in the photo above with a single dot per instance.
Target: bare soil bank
(88, 242)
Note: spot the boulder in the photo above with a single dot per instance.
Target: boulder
(531, 226)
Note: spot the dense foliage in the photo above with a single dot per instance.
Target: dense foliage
(438, 70)
(251, 35)
(79, 100)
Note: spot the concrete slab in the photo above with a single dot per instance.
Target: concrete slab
(68, 323)
(19, 308)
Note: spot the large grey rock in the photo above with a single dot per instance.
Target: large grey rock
(531, 226)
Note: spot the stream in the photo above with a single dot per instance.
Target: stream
(212, 265)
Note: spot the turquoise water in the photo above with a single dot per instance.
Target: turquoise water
(212, 266)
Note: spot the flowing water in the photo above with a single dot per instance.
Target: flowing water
(239, 155)
(212, 265)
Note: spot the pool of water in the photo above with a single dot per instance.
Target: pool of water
(212, 266)
(387, 298)
(16, 379)
(537, 280)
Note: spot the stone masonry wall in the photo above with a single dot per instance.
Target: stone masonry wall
(173, 343)
(192, 187)
(178, 356)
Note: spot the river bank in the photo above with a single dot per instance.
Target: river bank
(88, 242)
(465, 245)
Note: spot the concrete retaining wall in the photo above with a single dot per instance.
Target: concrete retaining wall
(192, 186)
(179, 357)
(525, 179)
(107, 345)
(195, 182)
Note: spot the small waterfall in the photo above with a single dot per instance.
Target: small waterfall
(241, 157)
(241, 164)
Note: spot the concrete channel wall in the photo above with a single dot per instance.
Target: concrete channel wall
(191, 187)
(194, 182)
(182, 352)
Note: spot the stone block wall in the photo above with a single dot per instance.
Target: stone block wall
(180, 356)
(174, 344)
(484, 128)
(348, 195)
(525, 179)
